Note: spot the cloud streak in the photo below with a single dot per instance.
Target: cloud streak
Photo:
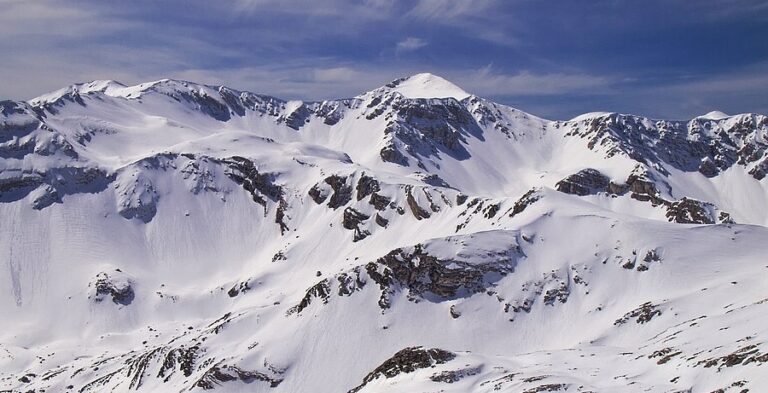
(410, 44)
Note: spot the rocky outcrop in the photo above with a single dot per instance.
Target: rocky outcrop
(418, 212)
(424, 276)
(706, 145)
(406, 361)
(645, 313)
(585, 182)
(342, 192)
(116, 287)
(220, 373)
(691, 211)
(353, 220)
(366, 185)
(260, 185)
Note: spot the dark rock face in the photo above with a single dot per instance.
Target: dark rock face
(528, 199)
(455, 375)
(366, 186)
(406, 361)
(220, 373)
(352, 221)
(321, 290)
(704, 145)
(53, 184)
(423, 128)
(120, 291)
(390, 153)
(422, 276)
(585, 182)
(690, 211)
(708, 167)
(297, 118)
(417, 210)
(645, 313)
(260, 185)
(379, 202)
(318, 194)
(381, 221)
(427, 276)
(342, 193)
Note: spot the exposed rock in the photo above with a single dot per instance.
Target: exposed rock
(585, 182)
(455, 375)
(528, 199)
(645, 313)
(260, 185)
(220, 373)
(406, 361)
(352, 221)
(117, 287)
(381, 221)
(390, 153)
(691, 211)
(321, 290)
(366, 185)
(708, 167)
(297, 118)
(342, 193)
(417, 210)
(318, 194)
(380, 202)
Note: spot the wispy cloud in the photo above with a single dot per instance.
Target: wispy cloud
(410, 44)
(486, 81)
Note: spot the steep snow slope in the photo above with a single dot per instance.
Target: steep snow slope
(172, 236)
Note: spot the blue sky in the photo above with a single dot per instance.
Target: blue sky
(556, 59)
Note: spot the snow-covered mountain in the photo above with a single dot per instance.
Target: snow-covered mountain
(172, 236)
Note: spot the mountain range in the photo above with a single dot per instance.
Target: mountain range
(173, 236)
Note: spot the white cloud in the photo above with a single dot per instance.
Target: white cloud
(410, 44)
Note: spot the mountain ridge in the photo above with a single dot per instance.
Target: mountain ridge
(188, 237)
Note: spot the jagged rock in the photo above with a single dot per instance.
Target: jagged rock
(708, 167)
(424, 274)
(280, 215)
(260, 185)
(417, 211)
(220, 372)
(491, 210)
(691, 211)
(352, 221)
(453, 376)
(381, 221)
(342, 193)
(321, 290)
(528, 199)
(297, 118)
(645, 313)
(617, 189)
(117, 287)
(366, 186)
(237, 289)
(380, 202)
(50, 186)
(318, 194)
(585, 182)
(406, 361)
(389, 153)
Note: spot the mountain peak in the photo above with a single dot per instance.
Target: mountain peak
(714, 115)
(426, 85)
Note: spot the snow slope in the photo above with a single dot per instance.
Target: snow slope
(172, 236)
